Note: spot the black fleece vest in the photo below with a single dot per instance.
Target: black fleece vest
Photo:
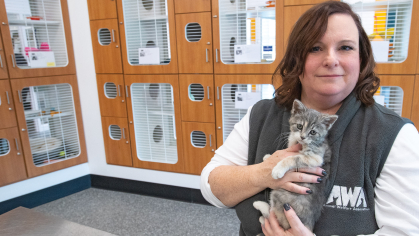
(360, 139)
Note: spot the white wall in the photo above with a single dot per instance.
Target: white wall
(80, 29)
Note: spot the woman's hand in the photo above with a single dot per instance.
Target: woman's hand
(271, 226)
(291, 177)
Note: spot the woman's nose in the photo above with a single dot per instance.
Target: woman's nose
(330, 60)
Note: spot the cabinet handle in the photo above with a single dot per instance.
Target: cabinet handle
(13, 60)
(216, 55)
(7, 95)
(1, 62)
(119, 89)
(113, 35)
(123, 132)
(218, 94)
(206, 53)
(126, 91)
(208, 92)
(210, 140)
(17, 145)
(20, 96)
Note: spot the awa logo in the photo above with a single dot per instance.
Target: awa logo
(346, 198)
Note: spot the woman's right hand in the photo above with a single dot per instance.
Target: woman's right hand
(304, 175)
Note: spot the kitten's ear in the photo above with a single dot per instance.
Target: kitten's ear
(329, 120)
(297, 107)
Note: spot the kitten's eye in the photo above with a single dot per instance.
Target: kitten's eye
(299, 126)
(312, 132)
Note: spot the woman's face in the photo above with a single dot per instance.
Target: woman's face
(332, 66)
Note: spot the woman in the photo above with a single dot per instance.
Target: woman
(329, 66)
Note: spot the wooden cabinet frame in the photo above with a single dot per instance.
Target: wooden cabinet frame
(18, 85)
(407, 83)
(188, 6)
(171, 68)
(3, 62)
(304, 2)
(112, 107)
(102, 9)
(173, 81)
(221, 68)
(15, 71)
(118, 152)
(7, 108)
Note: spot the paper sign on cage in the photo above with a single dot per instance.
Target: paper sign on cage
(243, 100)
(247, 53)
(41, 59)
(149, 56)
(380, 50)
(379, 99)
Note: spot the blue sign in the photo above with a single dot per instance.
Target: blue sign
(267, 48)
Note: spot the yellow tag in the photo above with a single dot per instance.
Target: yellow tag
(50, 64)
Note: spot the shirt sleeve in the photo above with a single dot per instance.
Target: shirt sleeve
(233, 152)
(397, 191)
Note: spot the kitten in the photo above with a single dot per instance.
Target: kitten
(309, 128)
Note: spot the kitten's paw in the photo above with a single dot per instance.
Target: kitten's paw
(266, 157)
(263, 207)
(278, 172)
(262, 220)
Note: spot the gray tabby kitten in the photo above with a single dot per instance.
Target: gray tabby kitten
(309, 128)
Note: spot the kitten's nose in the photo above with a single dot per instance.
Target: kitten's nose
(302, 137)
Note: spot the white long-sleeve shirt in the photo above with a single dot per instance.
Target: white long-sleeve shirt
(396, 190)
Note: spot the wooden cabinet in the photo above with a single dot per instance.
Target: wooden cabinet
(233, 20)
(194, 42)
(3, 65)
(197, 97)
(155, 122)
(117, 144)
(7, 113)
(199, 145)
(40, 45)
(415, 114)
(291, 16)
(102, 9)
(49, 119)
(399, 93)
(148, 29)
(227, 112)
(187, 6)
(12, 165)
(303, 2)
(106, 46)
(112, 95)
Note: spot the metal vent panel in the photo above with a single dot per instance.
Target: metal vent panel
(154, 122)
(196, 92)
(198, 139)
(37, 32)
(105, 37)
(390, 97)
(51, 123)
(387, 23)
(231, 115)
(4, 147)
(115, 132)
(250, 23)
(193, 32)
(146, 26)
(110, 90)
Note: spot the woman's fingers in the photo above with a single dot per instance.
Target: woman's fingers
(271, 226)
(314, 170)
(295, 188)
(297, 227)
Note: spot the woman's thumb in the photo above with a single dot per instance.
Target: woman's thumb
(295, 148)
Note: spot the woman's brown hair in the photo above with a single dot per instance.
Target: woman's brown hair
(308, 30)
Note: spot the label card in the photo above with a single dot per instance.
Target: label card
(246, 99)
(247, 53)
(380, 50)
(379, 99)
(149, 56)
(41, 59)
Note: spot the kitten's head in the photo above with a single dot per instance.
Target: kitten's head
(307, 125)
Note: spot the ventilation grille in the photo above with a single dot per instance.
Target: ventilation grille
(247, 22)
(110, 90)
(390, 97)
(193, 32)
(105, 37)
(198, 139)
(154, 122)
(232, 115)
(115, 132)
(37, 32)
(196, 92)
(51, 123)
(387, 23)
(146, 24)
(4, 146)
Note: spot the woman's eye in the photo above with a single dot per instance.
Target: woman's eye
(312, 132)
(347, 48)
(300, 127)
(315, 49)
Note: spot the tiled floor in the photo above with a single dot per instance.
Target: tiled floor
(131, 214)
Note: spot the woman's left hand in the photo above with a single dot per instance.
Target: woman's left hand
(271, 226)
